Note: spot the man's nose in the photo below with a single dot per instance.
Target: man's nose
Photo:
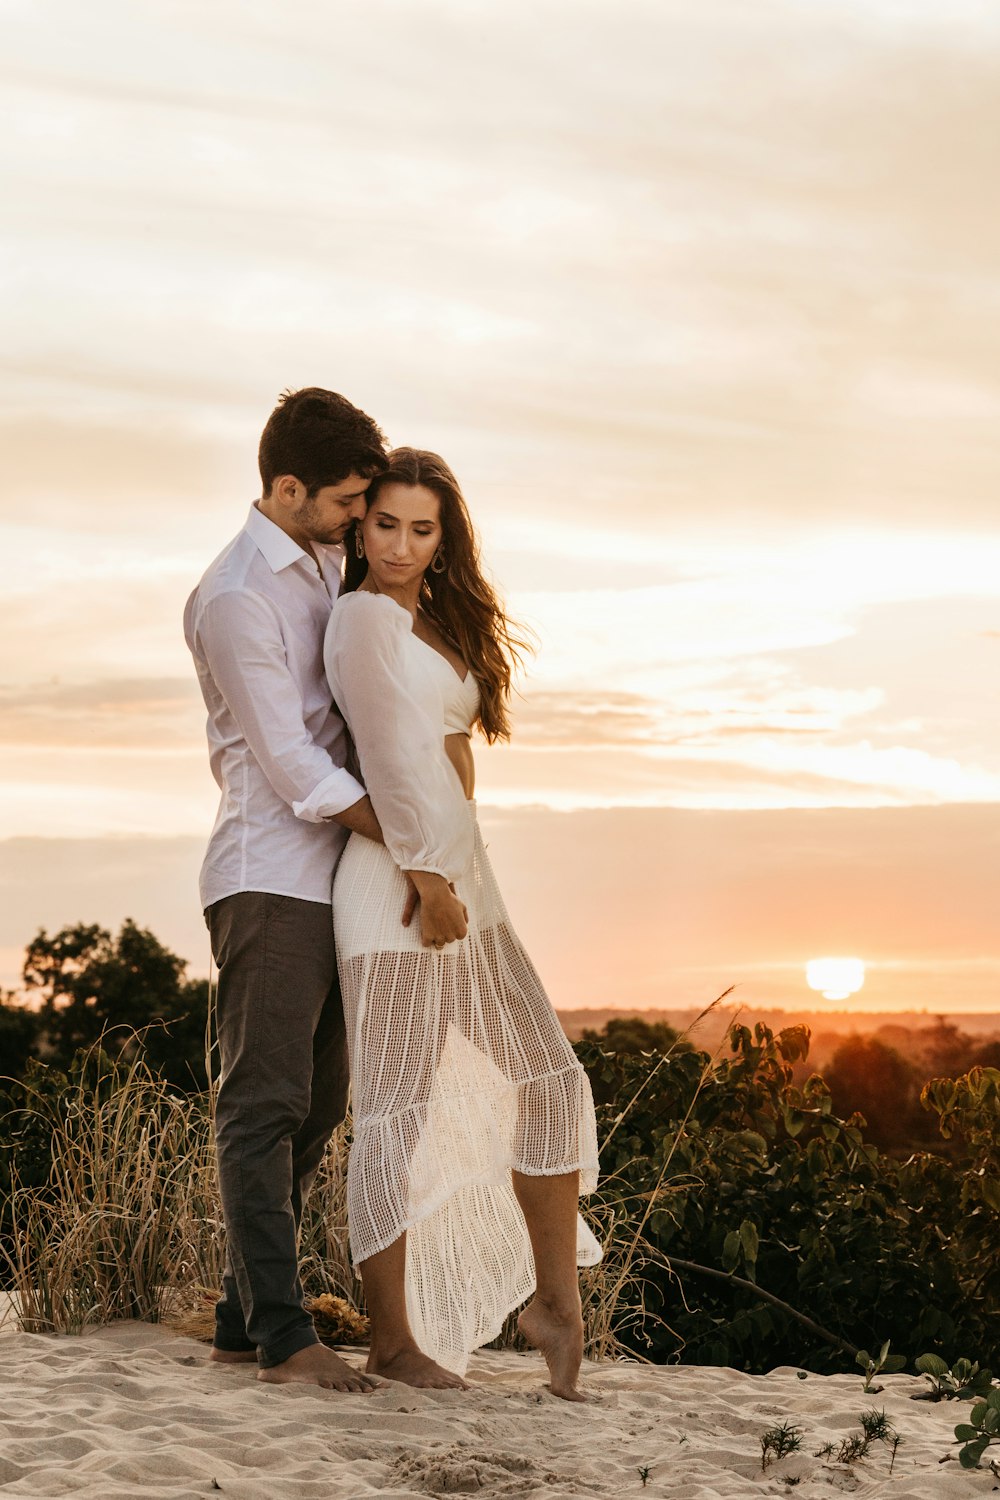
(359, 509)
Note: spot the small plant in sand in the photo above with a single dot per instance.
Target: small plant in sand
(883, 1363)
(964, 1380)
(875, 1428)
(980, 1431)
(854, 1447)
(777, 1442)
(644, 1473)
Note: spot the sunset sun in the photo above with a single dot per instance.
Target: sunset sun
(835, 978)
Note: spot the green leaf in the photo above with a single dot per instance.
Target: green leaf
(970, 1455)
(731, 1250)
(931, 1364)
(990, 1188)
(750, 1241)
(966, 1433)
(864, 1359)
(894, 1364)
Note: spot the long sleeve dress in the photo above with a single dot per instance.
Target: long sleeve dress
(460, 1071)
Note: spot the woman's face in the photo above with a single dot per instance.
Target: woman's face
(402, 532)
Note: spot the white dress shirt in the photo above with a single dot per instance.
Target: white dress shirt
(277, 746)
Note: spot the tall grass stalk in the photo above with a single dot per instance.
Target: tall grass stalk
(128, 1223)
(613, 1292)
(129, 1213)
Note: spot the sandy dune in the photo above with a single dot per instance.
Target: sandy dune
(136, 1411)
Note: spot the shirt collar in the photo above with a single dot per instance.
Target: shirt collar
(275, 546)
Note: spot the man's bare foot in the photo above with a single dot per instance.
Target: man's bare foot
(317, 1365)
(233, 1356)
(557, 1334)
(413, 1367)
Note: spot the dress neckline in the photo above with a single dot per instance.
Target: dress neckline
(377, 594)
(440, 656)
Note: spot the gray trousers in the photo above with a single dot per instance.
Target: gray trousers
(282, 1091)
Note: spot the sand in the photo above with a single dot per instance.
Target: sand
(134, 1410)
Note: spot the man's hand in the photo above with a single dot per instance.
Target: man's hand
(443, 917)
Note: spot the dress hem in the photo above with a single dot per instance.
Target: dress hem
(442, 1199)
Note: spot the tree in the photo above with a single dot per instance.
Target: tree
(19, 1029)
(944, 1051)
(632, 1034)
(867, 1076)
(89, 981)
(986, 1055)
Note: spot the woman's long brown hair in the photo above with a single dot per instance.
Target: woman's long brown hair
(459, 600)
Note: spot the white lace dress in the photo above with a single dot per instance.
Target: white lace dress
(460, 1072)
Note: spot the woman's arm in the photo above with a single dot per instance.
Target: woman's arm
(414, 790)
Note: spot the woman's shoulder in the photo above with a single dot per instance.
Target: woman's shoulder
(369, 617)
(369, 606)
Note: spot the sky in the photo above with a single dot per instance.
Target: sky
(701, 304)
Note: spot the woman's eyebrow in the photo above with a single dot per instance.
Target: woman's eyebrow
(420, 520)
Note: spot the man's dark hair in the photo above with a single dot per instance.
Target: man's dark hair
(320, 438)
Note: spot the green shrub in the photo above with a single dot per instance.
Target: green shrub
(739, 1170)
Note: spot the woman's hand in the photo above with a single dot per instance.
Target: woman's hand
(443, 917)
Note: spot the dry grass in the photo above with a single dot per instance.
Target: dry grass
(129, 1212)
(614, 1291)
(129, 1223)
(337, 1321)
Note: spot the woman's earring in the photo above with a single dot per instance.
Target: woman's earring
(359, 542)
(438, 562)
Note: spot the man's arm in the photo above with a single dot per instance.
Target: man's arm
(360, 818)
(239, 637)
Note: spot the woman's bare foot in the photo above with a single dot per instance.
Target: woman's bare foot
(557, 1334)
(317, 1365)
(233, 1356)
(410, 1365)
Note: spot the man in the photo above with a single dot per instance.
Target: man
(255, 626)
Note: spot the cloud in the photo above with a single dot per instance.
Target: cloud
(122, 713)
(734, 262)
(697, 301)
(123, 478)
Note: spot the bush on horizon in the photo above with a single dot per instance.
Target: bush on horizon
(738, 1169)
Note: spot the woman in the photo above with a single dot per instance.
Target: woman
(474, 1124)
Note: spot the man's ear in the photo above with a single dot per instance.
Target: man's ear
(288, 491)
